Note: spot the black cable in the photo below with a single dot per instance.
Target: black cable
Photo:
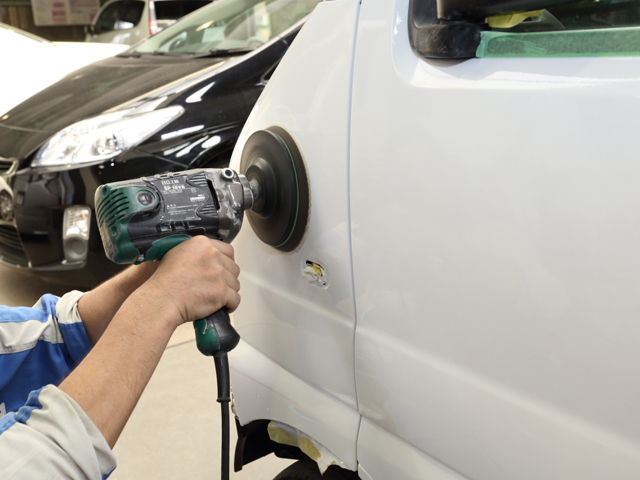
(224, 397)
(224, 456)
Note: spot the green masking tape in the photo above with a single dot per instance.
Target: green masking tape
(606, 42)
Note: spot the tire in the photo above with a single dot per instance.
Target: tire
(307, 469)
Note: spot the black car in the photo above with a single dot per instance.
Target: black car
(177, 100)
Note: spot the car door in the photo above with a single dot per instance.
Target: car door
(494, 216)
(297, 321)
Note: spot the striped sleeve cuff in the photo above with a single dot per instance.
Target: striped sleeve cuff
(52, 437)
(71, 326)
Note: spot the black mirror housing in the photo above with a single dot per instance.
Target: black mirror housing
(432, 38)
(451, 28)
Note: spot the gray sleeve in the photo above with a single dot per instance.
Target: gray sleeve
(67, 307)
(51, 437)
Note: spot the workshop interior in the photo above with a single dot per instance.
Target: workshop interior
(434, 206)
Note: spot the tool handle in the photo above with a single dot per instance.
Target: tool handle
(215, 333)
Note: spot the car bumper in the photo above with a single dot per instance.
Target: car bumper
(31, 235)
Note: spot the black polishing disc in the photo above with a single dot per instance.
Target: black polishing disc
(281, 210)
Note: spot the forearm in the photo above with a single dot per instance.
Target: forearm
(109, 381)
(194, 279)
(98, 307)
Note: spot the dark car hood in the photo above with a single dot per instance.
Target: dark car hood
(88, 92)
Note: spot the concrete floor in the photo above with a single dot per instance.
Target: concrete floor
(174, 432)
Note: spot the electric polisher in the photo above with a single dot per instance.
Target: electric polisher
(141, 220)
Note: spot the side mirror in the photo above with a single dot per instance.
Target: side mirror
(90, 29)
(451, 28)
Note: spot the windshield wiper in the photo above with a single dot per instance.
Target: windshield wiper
(169, 54)
(216, 52)
(224, 52)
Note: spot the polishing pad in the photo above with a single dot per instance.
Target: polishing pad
(272, 162)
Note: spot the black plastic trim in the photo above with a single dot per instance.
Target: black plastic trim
(431, 38)
(451, 28)
(254, 443)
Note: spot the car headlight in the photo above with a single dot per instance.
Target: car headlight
(103, 137)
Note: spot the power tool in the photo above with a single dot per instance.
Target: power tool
(141, 220)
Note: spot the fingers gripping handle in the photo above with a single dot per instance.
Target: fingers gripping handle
(215, 333)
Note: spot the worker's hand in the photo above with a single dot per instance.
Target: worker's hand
(197, 278)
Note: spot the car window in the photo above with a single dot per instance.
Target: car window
(119, 16)
(229, 25)
(581, 15)
(587, 28)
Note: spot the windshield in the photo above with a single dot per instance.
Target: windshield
(228, 25)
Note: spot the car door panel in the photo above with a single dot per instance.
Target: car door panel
(494, 206)
(305, 331)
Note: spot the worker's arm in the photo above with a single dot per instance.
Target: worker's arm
(51, 437)
(194, 280)
(67, 432)
(40, 345)
(97, 307)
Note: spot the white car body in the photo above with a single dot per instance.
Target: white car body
(478, 224)
(33, 63)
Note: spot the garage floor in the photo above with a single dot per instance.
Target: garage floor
(174, 432)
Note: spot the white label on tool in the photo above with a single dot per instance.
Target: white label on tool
(173, 188)
(182, 200)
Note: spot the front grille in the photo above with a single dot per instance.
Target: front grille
(11, 250)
